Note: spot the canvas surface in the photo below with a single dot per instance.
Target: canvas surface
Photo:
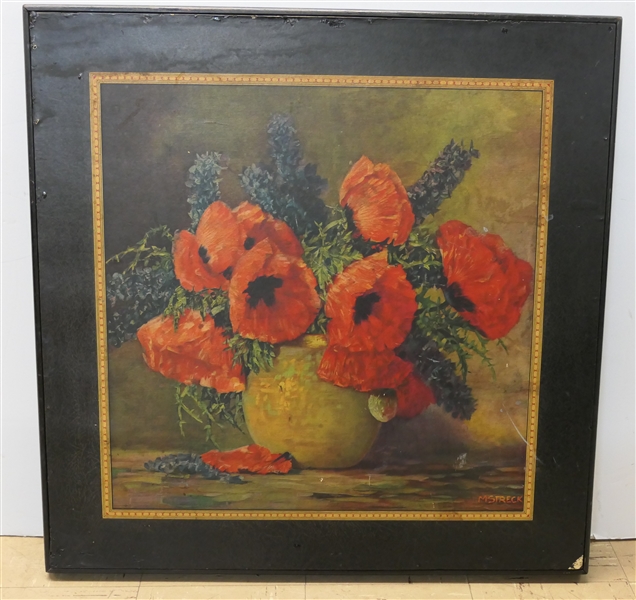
(433, 463)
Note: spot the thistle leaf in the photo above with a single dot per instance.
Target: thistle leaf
(439, 181)
(208, 407)
(204, 178)
(440, 373)
(420, 257)
(141, 291)
(331, 249)
(436, 320)
(253, 355)
(214, 303)
(289, 189)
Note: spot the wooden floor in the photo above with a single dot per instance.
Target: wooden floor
(612, 575)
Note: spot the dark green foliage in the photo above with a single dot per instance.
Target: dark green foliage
(255, 356)
(134, 298)
(202, 404)
(146, 253)
(319, 326)
(330, 249)
(213, 302)
(436, 320)
(205, 405)
(144, 287)
(208, 407)
(204, 179)
(189, 464)
(420, 258)
(289, 189)
(444, 174)
(440, 373)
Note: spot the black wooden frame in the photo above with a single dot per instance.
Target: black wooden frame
(581, 54)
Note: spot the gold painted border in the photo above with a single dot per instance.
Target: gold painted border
(546, 87)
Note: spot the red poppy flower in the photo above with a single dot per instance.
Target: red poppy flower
(273, 296)
(371, 305)
(487, 284)
(413, 396)
(248, 459)
(258, 225)
(363, 371)
(196, 352)
(381, 208)
(205, 260)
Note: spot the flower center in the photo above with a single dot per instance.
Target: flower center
(227, 273)
(455, 297)
(364, 306)
(262, 288)
(203, 253)
(249, 242)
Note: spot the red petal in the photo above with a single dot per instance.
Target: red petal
(249, 215)
(488, 274)
(221, 234)
(363, 371)
(379, 202)
(248, 459)
(196, 352)
(259, 226)
(413, 397)
(391, 317)
(191, 271)
(362, 169)
(296, 302)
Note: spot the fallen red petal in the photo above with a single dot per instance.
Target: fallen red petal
(248, 459)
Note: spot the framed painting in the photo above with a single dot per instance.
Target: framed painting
(328, 289)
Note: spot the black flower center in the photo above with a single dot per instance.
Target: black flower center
(364, 306)
(455, 297)
(249, 242)
(227, 273)
(263, 288)
(203, 253)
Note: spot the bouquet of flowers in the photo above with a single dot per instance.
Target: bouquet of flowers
(403, 305)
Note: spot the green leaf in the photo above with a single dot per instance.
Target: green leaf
(330, 250)
(214, 303)
(437, 320)
(420, 257)
(145, 254)
(253, 355)
(142, 289)
(208, 407)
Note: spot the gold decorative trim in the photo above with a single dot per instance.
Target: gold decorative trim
(100, 295)
(546, 87)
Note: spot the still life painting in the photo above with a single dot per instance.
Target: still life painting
(319, 297)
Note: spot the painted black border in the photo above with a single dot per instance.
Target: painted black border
(599, 353)
(64, 566)
(36, 289)
(355, 13)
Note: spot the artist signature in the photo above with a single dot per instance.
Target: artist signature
(501, 499)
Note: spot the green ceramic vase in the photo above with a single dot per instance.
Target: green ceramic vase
(289, 409)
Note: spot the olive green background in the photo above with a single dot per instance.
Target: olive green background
(152, 133)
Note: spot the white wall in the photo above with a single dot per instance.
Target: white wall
(20, 508)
